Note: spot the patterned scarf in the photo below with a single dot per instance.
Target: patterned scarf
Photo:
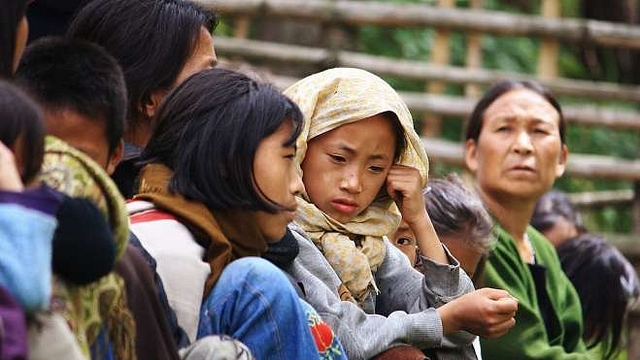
(227, 235)
(91, 307)
(330, 99)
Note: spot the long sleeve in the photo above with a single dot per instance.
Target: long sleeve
(561, 339)
(364, 335)
(25, 266)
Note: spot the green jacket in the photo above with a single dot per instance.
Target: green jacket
(529, 339)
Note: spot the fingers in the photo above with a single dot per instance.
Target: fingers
(498, 329)
(404, 185)
(506, 306)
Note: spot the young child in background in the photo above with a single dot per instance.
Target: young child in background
(461, 222)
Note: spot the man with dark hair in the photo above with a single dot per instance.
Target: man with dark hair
(82, 92)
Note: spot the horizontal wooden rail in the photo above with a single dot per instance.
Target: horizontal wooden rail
(596, 199)
(416, 70)
(586, 115)
(422, 15)
(580, 165)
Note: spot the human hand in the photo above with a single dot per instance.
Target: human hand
(486, 312)
(404, 186)
(9, 174)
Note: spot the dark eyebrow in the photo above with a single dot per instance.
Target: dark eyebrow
(344, 147)
(351, 151)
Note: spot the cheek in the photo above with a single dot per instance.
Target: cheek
(21, 40)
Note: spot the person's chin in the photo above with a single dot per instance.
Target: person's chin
(276, 235)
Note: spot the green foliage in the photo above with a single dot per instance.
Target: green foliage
(516, 54)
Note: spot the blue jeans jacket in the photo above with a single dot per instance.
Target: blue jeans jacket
(254, 302)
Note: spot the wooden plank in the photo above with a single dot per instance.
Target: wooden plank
(461, 107)
(241, 26)
(596, 199)
(416, 70)
(424, 15)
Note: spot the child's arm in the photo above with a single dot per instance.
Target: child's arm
(404, 185)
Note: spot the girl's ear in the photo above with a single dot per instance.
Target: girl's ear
(152, 103)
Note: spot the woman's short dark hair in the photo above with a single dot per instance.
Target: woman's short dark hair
(21, 117)
(607, 284)
(151, 39)
(12, 13)
(552, 205)
(208, 130)
(475, 122)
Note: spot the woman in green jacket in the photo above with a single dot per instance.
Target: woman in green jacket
(515, 147)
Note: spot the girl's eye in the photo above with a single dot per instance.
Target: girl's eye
(403, 241)
(377, 169)
(337, 158)
(540, 131)
(503, 129)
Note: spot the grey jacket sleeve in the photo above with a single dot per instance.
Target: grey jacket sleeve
(413, 321)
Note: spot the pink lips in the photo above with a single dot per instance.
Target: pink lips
(344, 206)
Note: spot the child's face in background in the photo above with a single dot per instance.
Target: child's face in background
(458, 245)
(404, 240)
(345, 168)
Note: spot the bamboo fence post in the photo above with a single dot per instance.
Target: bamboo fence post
(474, 55)
(549, 47)
(440, 55)
(241, 25)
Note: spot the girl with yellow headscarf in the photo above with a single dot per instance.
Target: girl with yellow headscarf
(363, 166)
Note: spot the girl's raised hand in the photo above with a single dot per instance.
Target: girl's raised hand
(404, 186)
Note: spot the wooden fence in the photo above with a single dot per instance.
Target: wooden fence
(334, 16)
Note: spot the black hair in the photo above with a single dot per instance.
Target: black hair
(76, 75)
(596, 268)
(399, 134)
(455, 210)
(476, 120)
(208, 130)
(552, 205)
(151, 39)
(12, 13)
(21, 117)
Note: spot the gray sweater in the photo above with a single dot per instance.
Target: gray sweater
(403, 311)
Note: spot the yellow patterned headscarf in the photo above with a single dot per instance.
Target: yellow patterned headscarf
(330, 99)
(89, 307)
